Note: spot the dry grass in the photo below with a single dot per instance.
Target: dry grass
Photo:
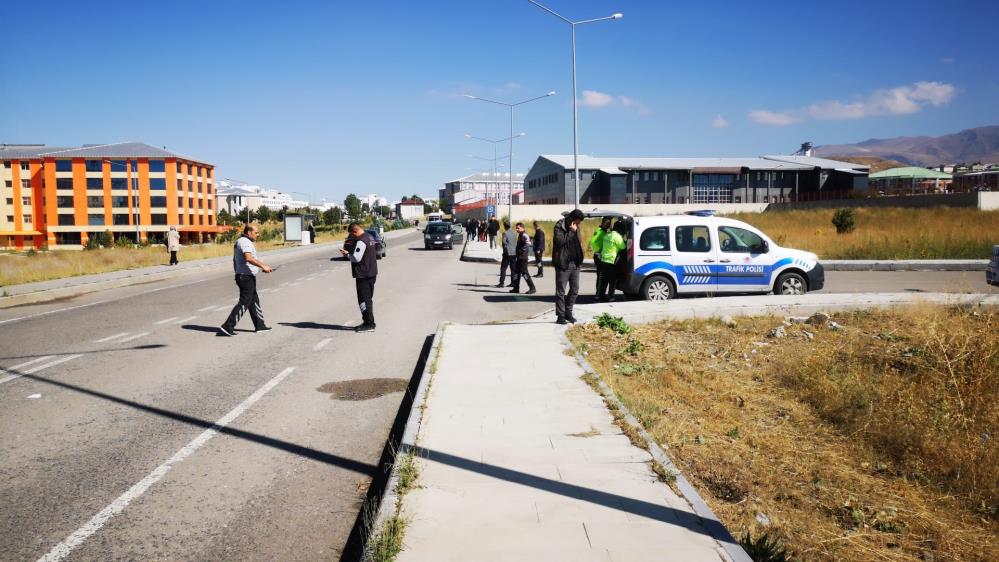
(877, 442)
(881, 233)
(20, 268)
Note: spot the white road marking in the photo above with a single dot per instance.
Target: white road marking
(188, 319)
(11, 377)
(322, 344)
(207, 308)
(109, 338)
(295, 284)
(224, 307)
(34, 370)
(34, 396)
(79, 536)
(166, 320)
(135, 337)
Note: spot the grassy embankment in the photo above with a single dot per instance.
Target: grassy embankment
(874, 442)
(21, 268)
(889, 233)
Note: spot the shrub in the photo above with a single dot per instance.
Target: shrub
(615, 323)
(844, 221)
(764, 548)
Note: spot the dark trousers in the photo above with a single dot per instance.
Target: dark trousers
(606, 280)
(521, 271)
(565, 301)
(539, 264)
(492, 241)
(173, 257)
(365, 296)
(596, 263)
(249, 301)
(511, 263)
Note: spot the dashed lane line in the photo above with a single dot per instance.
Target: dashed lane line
(207, 308)
(166, 320)
(109, 338)
(78, 537)
(182, 320)
(10, 376)
(34, 370)
(135, 337)
(322, 344)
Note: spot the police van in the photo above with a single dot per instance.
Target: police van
(698, 252)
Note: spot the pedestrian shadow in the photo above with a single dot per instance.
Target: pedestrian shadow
(518, 297)
(210, 329)
(316, 326)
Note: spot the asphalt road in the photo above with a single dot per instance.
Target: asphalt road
(112, 405)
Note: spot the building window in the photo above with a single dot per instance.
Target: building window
(27, 219)
(24, 166)
(65, 220)
(180, 184)
(190, 202)
(10, 218)
(119, 166)
(119, 201)
(119, 183)
(180, 203)
(26, 201)
(95, 183)
(95, 220)
(159, 219)
(93, 165)
(64, 165)
(64, 183)
(6, 163)
(157, 183)
(119, 219)
(157, 201)
(8, 183)
(156, 166)
(95, 201)
(64, 201)
(10, 200)
(25, 184)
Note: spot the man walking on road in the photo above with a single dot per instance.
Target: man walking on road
(173, 244)
(509, 255)
(567, 257)
(246, 265)
(492, 230)
(520, 267)
(539, 249)
(360, 249)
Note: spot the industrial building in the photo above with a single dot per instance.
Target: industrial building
(765, 179)
(484, 186)
(58, 197)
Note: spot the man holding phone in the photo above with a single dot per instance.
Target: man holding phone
(246, 266)
(359, 248)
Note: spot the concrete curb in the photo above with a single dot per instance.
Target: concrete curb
(139, 277)
(387, 505)
(716, 530)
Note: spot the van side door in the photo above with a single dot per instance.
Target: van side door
(695, 258)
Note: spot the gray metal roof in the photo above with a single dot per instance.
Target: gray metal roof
(593, 163)
(823, 163)
(116, 150)
(489, 176)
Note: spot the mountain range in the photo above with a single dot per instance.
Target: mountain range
(980, 144)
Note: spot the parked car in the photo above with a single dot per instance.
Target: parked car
(992, 271)
(698, 252)
(438, 234)
(380, 246)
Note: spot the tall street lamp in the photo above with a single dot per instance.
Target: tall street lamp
(575, 121)
(510, 161)
(494, 143)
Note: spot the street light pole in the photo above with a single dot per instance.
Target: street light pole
(495, 142)
(510, 159)
(575, 118)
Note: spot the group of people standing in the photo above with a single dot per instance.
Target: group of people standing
(518, 247)
(482, 230)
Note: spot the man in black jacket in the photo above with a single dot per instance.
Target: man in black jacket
(539, 249)
(520, 268)
(492, 230)
(360, 250)
(567, 257)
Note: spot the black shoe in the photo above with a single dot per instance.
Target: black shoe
(510, 285)
(539, 275)
(571, 318)
(560, 320)
(499, 285)
(364, 328)
(223, 331)
(515, 291)
(264, 329)
(531, 292)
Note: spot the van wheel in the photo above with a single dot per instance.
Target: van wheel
(658, 289)
(790, 284)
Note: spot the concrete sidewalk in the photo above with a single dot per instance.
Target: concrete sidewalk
(480, 252)
(52, 289)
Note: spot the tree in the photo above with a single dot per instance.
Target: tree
(282, 212)
(405, 198)
(384, 210)
(264, 214)
(353, 206)
(365, 209)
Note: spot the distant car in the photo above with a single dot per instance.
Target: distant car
(438, 234)
(380, 245)
(992, 271)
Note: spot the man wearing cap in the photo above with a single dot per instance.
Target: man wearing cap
(246, 265)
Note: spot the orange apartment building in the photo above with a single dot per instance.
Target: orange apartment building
(58, 197)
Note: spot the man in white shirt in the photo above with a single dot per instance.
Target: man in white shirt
(246, 266)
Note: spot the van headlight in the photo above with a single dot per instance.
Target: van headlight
(426, 236)
(448, 237)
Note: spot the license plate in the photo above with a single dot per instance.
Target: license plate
(437, 242)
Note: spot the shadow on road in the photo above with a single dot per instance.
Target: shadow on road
(316, 326)
(54, 355)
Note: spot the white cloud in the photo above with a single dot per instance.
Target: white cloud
(592, 98)
(596, 99)
(777, 119)
(719, 122)
(900, 100)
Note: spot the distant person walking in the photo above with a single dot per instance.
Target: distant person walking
(509, 255)
(596, 246)
(173, 244)
(492, 230)
(521, 269)
(359, 248)
(539, 249)
(567, 257)
(613, 243)
(246, 266)
(312, 233)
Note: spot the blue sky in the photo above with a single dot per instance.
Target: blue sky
(327, 98)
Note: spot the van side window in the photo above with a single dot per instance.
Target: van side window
(693, 239)
(655, 239)
(739, 240)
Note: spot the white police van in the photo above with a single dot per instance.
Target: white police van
(698, 252)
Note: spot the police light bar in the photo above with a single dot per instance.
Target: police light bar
(702, 213)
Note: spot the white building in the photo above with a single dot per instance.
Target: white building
(479, 186)
(235, 196)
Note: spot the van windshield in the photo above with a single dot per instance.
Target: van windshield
(438, 229)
